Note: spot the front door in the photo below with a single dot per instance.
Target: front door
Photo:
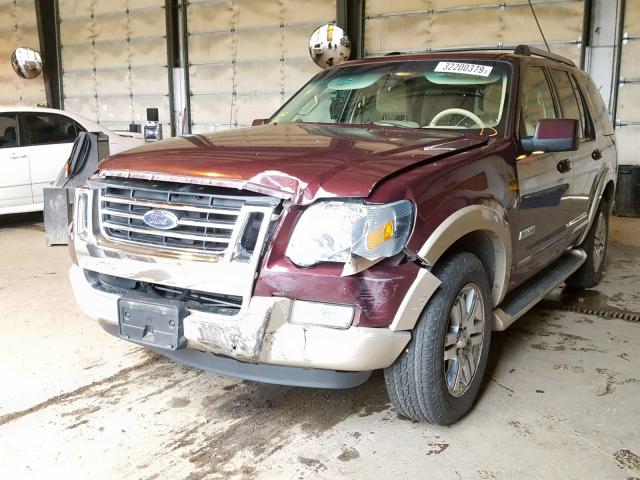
(15, 180)
(49, 139)
(545, 181)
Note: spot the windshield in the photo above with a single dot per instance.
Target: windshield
(462, 95)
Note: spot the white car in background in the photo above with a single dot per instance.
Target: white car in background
(35, 143)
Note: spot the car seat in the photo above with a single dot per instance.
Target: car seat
(9, 138)
(392, 104)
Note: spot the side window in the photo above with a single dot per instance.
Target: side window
(537, 100)
(589, 130)
(8, 130)
(596, 98)
(568, 101)
(45, 128)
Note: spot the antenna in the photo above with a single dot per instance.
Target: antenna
(539, 27)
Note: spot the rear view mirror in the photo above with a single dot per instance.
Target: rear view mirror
(553, 135)
(258, 121)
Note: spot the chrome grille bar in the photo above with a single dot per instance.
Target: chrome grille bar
(166, 233)
(228, 225)
(174, 206)
(209, 219)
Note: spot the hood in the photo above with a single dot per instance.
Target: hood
(119, 143)
(301, 161)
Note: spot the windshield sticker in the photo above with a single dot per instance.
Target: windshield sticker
(464, 68)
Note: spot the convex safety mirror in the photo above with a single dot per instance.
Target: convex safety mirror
(329, 46)
(553, 135)
(26, 62)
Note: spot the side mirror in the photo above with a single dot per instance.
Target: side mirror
(258, 121)
(553, 135)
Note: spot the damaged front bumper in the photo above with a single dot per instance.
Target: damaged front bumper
(223, 326)
(266, 333)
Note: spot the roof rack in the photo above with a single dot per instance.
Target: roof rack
(529, 51)
(525, 50)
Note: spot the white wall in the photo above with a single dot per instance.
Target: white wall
(18, 28)
(114, 60)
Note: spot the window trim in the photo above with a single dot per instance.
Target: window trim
(551, 86)
(584, 137)
(590, 125)
(23, 128)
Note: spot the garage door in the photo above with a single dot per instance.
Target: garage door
(418, 25)
(18, 28)
(247, 56)
(114, 60)
(628, 110)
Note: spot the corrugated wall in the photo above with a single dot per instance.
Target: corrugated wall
(418, 25)
(628, 111)
(18, 28)
(114, 60)
(247, 56)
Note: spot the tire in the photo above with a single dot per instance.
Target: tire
(416, 381)
(595, 245)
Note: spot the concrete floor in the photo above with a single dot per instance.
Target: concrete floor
(560, 399)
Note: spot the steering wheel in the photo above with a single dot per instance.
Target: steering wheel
(457, 111)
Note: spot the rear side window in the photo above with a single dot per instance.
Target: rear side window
(537, 100)
(8, 130)
(568, 100)
(589, 130)
(596, 98)
(45, 128)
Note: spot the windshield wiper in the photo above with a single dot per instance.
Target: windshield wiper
(388, 123)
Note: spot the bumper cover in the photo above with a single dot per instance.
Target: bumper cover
(260, 335)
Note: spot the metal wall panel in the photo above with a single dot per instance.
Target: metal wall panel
(419, 25)
(247, 56)
(18, 28)
(114, 60)
(628, 101)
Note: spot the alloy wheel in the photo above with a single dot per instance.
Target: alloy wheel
(599, 242)
(464, 339)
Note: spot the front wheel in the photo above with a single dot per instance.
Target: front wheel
(438, 376)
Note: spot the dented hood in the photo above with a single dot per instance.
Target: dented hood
(300, 161)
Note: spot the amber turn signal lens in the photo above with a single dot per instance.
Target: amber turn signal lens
(381, 234)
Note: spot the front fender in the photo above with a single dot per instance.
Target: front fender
(491, 220)
(488, 220)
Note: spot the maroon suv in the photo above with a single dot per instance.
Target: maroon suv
(389, 216)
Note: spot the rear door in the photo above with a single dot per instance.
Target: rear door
(585, 161)
(15, 180)
(48, 141)
(545, 190)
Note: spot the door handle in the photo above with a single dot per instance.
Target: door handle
(596, 154)
(564, 165)
(15, 156)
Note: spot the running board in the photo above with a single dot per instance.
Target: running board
(525, 297)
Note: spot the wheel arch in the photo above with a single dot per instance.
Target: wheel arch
(479, 229)
(605, 190)
(608, 194)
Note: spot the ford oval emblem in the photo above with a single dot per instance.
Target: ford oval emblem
(160, 219)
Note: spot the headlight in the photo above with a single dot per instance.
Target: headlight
(334, 231)
(82, 211)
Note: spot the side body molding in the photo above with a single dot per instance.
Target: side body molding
(490, 221)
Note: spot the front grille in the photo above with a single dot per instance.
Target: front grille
(207, 216)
